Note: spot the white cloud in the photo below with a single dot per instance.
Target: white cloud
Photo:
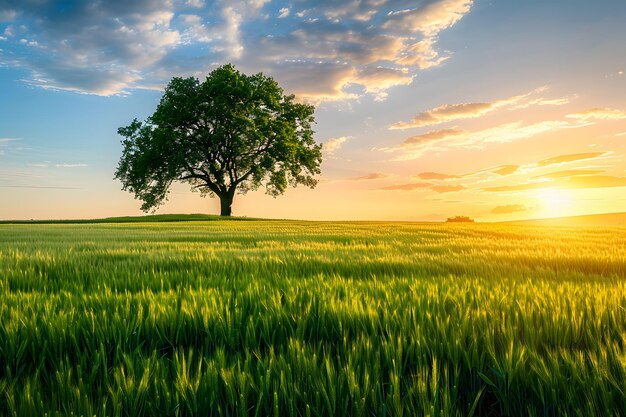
(283, 13)
(233, 19)
(195, 3)
(6, 144)
(66, 165)
(333, 145)
(377, 80)
(430, 18)
(422, 55)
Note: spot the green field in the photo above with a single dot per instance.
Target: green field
(286, 318)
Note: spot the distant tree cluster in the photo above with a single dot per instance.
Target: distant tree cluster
(459, 219)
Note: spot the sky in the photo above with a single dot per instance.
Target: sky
(427, 109)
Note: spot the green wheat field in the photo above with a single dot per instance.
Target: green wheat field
(287, 318)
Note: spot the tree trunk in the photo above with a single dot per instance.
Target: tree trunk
(226, 201)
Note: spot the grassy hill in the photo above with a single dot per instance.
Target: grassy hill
(601, 220)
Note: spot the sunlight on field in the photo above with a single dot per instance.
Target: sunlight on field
(311, 318)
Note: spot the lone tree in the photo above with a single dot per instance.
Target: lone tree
(233, 132)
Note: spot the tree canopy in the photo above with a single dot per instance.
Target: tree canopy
(232, 132)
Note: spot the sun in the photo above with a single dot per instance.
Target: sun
(554, 202)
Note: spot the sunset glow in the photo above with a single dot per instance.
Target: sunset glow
(426, 109)
(554, 202)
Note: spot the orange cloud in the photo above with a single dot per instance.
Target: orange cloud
(568, 173)
(582, 181)
(599, 113)
(372, 176)
(506, 169)
(518, 187)
(406, 187)
(510, 208)
(447, 188)
(433, 136)
(446, 113)
(435, 176)
(560, 159)
(454, 138)
(595, 181)
(453, 112)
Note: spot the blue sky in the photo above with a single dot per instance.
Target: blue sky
(421, 105)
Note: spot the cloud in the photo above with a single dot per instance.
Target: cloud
(66, 165)
(372, 176)
(594, 181)
(598, 113)
(39, 187)
(407, 187)
(233, 44)
(44, 164)
(568, 173)
(332, 145)
(7, 15)
(506, 169)
(510, 208)
(92, 47)
(327, 58)
(435, 176)
(453, 112)
(454, 138)
(447, 188)
(430, 18)
(418, 143)
(198, 4)
(18, 174)
(561, 159)
(321, 50)
(5, 144)
(422, 55)
(517, 187)
(582, 181)
(85, 81)
(445, 113)
(377, 80)
(315, 82)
